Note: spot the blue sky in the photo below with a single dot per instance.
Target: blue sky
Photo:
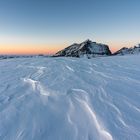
(115, 22)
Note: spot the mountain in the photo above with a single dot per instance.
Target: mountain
(86, 48)
(125, 51)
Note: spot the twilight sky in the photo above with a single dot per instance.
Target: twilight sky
(46, 26)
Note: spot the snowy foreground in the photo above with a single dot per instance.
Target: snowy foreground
(70, 98)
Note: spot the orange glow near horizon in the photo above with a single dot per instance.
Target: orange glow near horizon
(30, 49)
(26, 49)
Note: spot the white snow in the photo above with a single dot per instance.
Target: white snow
(70, 98)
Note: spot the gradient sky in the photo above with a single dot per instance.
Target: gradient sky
(46, 26)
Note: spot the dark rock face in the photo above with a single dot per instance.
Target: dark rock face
(87, 48)
(125, 51)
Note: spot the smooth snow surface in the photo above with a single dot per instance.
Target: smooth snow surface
(70, 98)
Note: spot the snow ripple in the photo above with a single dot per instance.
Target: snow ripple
(70, 99)
(36, 86)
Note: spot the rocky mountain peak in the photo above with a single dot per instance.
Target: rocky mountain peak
(125, 51)
(86, 48)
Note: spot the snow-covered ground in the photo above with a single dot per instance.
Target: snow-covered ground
(70, 98)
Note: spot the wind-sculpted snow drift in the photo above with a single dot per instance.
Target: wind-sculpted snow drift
(70, 98)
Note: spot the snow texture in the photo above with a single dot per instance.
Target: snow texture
(70, 98)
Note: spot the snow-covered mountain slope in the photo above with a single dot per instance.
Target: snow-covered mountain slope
(125, 51)
(86, 48)
(70, 98)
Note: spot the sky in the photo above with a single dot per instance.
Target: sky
(46, 26)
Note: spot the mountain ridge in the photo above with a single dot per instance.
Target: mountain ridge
(87, 48)
(126, 51)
